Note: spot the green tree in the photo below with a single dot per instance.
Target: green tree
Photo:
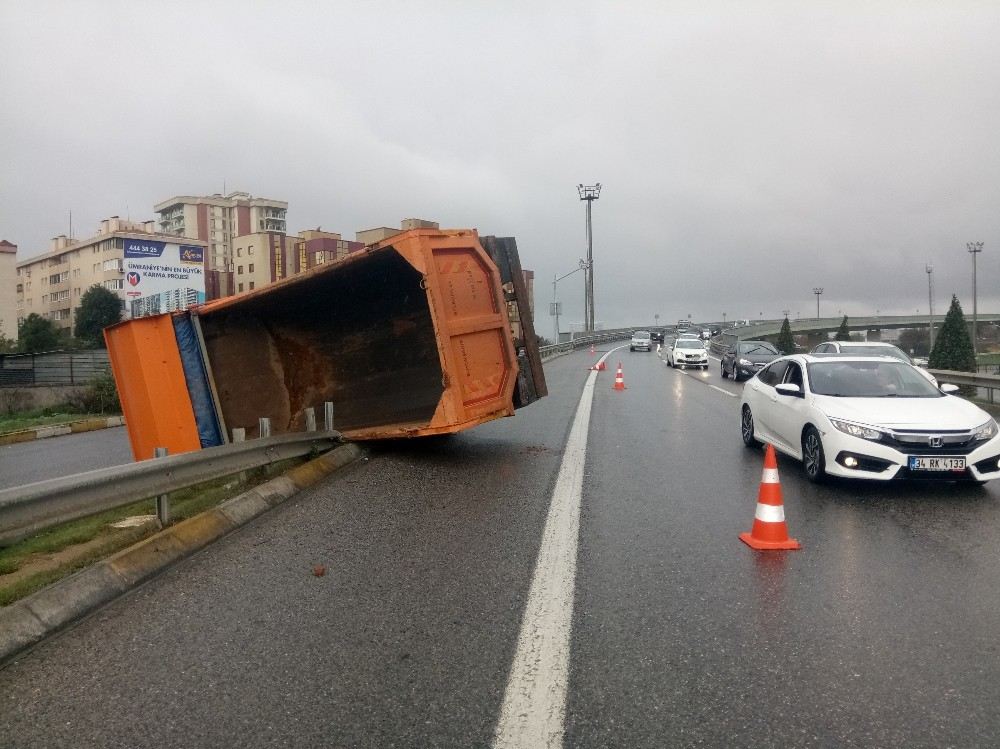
(99, 308)
(952, 344)
(843, 334)
(785, 343)
(37, 334)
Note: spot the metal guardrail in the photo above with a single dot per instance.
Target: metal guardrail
(583, 341)
(25, 510)
(987, 382)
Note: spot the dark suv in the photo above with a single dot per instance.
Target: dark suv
(747, 358)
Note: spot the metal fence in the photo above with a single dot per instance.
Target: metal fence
(52, 368)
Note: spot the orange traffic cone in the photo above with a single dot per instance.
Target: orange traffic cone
(619, 378)
(769, 529)
(601, 366)
(592, 348)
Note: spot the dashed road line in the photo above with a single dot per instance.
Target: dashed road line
(723, 391)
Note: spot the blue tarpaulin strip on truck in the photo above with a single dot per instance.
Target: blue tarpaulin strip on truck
(209, 432)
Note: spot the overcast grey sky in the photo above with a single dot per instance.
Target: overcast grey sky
(748, 151)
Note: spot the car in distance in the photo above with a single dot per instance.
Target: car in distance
(868, 417)
(641, 339)
(656, 336)
(746, 358)
(687, 352)
(871, 348)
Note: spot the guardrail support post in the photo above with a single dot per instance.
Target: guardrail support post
(162, 501)
(328, 415)
(310, 419)
(264, 427)
(240, 435)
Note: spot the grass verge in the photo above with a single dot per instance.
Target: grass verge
(59, 552)
(20, 422)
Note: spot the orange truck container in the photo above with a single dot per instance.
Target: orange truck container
(409, 337)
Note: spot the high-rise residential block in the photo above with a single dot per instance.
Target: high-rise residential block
(219, 219)
(8, 289)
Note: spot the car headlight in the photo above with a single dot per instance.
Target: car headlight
(857, 430)
(745, 363)
(987, 431)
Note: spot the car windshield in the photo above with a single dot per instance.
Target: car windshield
(640, 334)
(688, 343)
(892, 351)
(869, 379)
(757, 348)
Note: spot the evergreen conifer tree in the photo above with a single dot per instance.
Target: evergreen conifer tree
(785, 343)
(843, 334)
(952, 345)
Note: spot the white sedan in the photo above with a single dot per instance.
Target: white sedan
(868, 417)
(687, 352)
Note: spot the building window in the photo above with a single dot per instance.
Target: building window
(251, 285)
(239, 252)
(250, 250)
(240, 288)
(250, 268)
(239, 270)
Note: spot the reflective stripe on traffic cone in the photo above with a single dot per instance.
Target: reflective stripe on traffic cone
(769, 529)
(619, 378)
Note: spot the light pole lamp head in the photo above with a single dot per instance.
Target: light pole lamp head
(817, 290)
(929, 268)
(589, 192)
(974, 246)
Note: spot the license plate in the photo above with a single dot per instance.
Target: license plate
(937, 464)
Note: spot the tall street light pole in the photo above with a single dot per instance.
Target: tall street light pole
(817, 290)
(930, 301)
(590, 193)
(974, 248)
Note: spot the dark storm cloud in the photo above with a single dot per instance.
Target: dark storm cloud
(748, 151)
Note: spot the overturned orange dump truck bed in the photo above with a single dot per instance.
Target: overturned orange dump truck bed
(410, 337)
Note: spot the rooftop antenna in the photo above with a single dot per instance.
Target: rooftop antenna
(70, 223)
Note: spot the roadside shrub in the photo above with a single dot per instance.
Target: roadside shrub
(14, 401)
(100, 397)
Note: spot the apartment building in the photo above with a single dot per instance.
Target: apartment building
(265, 257)
(218, 220)
(52, 283)
(8, 289)
(371, 236)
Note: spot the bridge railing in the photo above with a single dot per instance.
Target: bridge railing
(585, 340)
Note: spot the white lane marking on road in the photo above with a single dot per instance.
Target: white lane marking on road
(723, 390)
(534, 704)
(714, 359)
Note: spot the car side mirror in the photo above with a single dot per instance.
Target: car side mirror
(947, 387)
(789, 388)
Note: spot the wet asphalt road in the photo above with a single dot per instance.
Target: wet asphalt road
(880, 632)
(27, 462)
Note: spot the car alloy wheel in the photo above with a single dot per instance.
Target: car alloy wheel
(746, 428)
(813, 457)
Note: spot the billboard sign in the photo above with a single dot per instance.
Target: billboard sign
(162, 276)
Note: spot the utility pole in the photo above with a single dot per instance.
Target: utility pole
(590, 193)
(556, 307)
(930, 301)
(974, 249)
(817, 290)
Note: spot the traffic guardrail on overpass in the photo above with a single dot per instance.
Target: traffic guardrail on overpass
(584, 341)
(25, 510)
